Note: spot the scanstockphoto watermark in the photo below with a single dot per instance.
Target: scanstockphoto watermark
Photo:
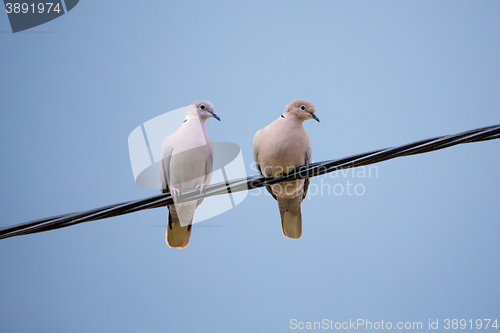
(349, 182)
(431, 324)
(357, 324)
(145, 143)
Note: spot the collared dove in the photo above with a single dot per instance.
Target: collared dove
(186, 162)
(279, 148)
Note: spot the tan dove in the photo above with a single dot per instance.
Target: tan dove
(279, 148)
(186, 162)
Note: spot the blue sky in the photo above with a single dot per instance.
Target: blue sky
(421, 242)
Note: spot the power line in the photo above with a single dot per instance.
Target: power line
(242, 184)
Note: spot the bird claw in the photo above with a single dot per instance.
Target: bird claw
(174, 192)
(200, 188)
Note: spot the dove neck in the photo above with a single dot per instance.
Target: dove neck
(293, 120)
(193, 121)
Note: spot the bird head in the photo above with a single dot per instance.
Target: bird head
(301, 109)
(204, 110)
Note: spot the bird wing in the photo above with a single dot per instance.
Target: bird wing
(176, 235)
(256, 159)
(209, 167)
(307, 161)
(166, 154)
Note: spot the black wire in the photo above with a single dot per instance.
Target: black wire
(242, 184)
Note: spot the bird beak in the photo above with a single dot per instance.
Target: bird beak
(215, 116)
(313, 116)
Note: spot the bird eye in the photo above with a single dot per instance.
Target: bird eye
(302, 107)
(202, 106)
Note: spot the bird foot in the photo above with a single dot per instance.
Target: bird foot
(200, 188)
(174, 192)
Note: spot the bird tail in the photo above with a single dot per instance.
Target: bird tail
(177, 235)
(291, 217)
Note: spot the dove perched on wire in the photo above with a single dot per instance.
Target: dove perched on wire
(279, 148)
(186, 162)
